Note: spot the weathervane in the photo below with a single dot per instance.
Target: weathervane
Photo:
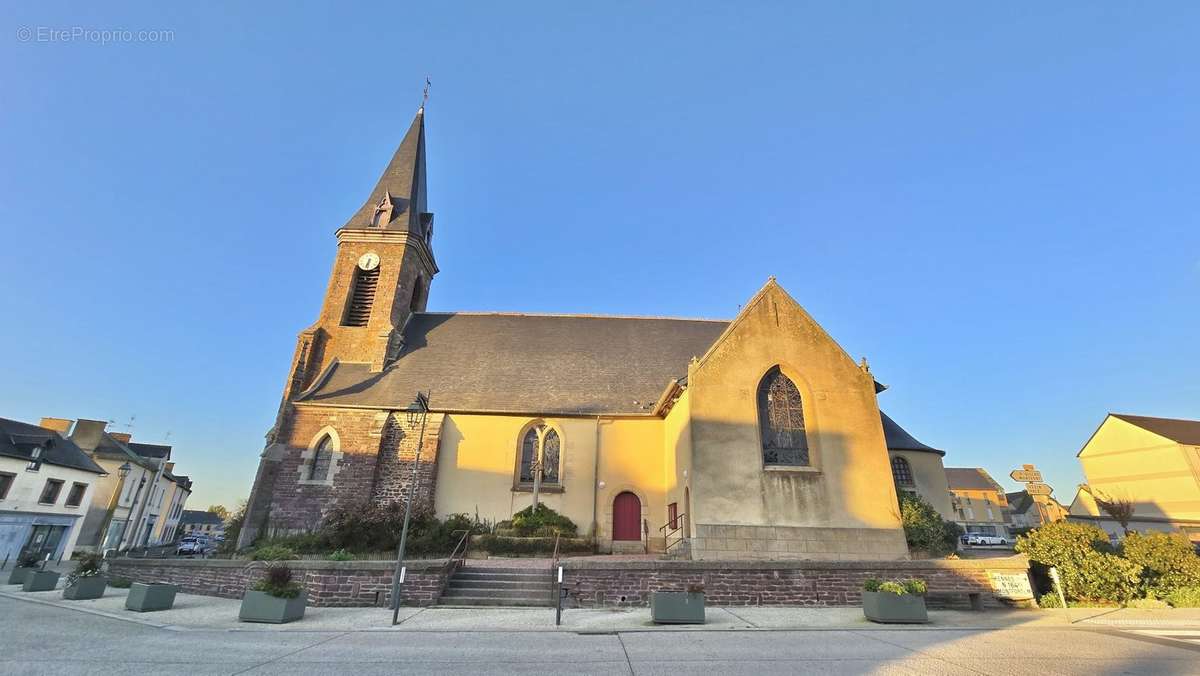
(425, 93)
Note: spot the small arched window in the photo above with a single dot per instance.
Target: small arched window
(901, 471)
(781, 419)
(322, 457)
(542, 447)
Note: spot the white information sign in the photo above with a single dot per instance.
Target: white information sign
(1013, 586)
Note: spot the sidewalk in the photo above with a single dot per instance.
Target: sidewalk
(193, 612)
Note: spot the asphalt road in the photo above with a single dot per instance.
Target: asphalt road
(39, 639)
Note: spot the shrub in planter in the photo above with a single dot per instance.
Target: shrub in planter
(895, 601)
(87, 580)
(276, 598)
(25, 563)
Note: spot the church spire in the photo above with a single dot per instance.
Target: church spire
(398, 201)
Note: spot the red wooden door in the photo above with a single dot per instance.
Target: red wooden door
(627, 517)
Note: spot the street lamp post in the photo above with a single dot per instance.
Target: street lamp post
(418, 410)
(122, 473)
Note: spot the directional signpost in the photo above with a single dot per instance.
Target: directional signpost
(1027, 474)
(1032, 478)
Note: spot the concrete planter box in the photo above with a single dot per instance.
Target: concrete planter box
(262, 607)
(40, 580)
(86, 588)
(145, 598)
(894, 608)
(677, 607)
(18, 575)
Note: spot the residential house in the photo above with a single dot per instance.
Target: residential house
(1154, 463)
(1027, 511)
(979, 502)
(46, 485)
(196, 522)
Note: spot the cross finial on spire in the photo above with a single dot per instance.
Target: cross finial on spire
(425, 94)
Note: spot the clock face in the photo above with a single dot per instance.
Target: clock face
(368, 261)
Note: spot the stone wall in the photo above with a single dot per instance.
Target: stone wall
(728, 543)
(597, 583)
(327, 583)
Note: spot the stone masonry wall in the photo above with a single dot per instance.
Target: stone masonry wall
(596, 583)
(398, 450)
(327, 583)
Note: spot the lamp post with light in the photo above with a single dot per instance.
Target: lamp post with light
(418, 410)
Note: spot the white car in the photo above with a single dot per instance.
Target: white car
(982, 539)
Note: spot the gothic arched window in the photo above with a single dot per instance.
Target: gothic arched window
(540, 442)
(781, 419)
(901, 471)
(322, 458)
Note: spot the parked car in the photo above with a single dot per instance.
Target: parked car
(190, 546)
(982, 539)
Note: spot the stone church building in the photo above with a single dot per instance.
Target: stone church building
(756, 437)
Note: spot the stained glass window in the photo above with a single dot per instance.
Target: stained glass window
(544, 441)
(781, 417)
(901, 471)
(322, 457)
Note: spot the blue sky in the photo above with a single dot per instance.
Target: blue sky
(997, 205)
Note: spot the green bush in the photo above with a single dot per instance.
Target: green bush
(897, 587)
(278, 581)
(1148, 603)
(274, 553)
(120, 582)
(1089, 569)
(377, 528)
(542, 522)
(341, 555)
(1050, 600)
(498, 544)
(925, 529)
(1168, 562)
(1184, 597)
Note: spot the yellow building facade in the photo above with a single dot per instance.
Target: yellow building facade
(1153, 463)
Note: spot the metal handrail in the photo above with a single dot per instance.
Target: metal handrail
(554, 559)
(463, 543)
(675, 525)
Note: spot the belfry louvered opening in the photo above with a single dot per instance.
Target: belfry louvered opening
(358, 310)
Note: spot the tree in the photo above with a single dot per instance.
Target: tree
(924, 529)
(219, 510)
(1120, 509)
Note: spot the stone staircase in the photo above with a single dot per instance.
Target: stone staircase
(474, 585)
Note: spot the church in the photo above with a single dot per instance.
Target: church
(756, 437)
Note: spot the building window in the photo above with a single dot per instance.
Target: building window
(50, 492)
(540, 441)
(781, 418)
(322, 457)
(362, 297)
(75, 497)
(6, 482)
(901, 471)
(673, 516)
(35, 460)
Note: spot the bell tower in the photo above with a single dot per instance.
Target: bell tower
(381, 272)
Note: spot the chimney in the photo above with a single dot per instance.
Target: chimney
(123, 437)
(87, 433)
(60, 425)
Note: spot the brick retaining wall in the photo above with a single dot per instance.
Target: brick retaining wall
(598, 583)
(328, 583)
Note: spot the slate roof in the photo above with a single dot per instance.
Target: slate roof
(18, 439)
(198, 516)
(970, 478)
(520, 363)
(1019, 501)
(900, 440)
(1181, 431)
(150, 450)
(404, 182)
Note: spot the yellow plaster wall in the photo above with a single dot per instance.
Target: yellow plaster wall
(631, 458)
(929, 479)
(677, 441)
(1160, 476)
(851, 485)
